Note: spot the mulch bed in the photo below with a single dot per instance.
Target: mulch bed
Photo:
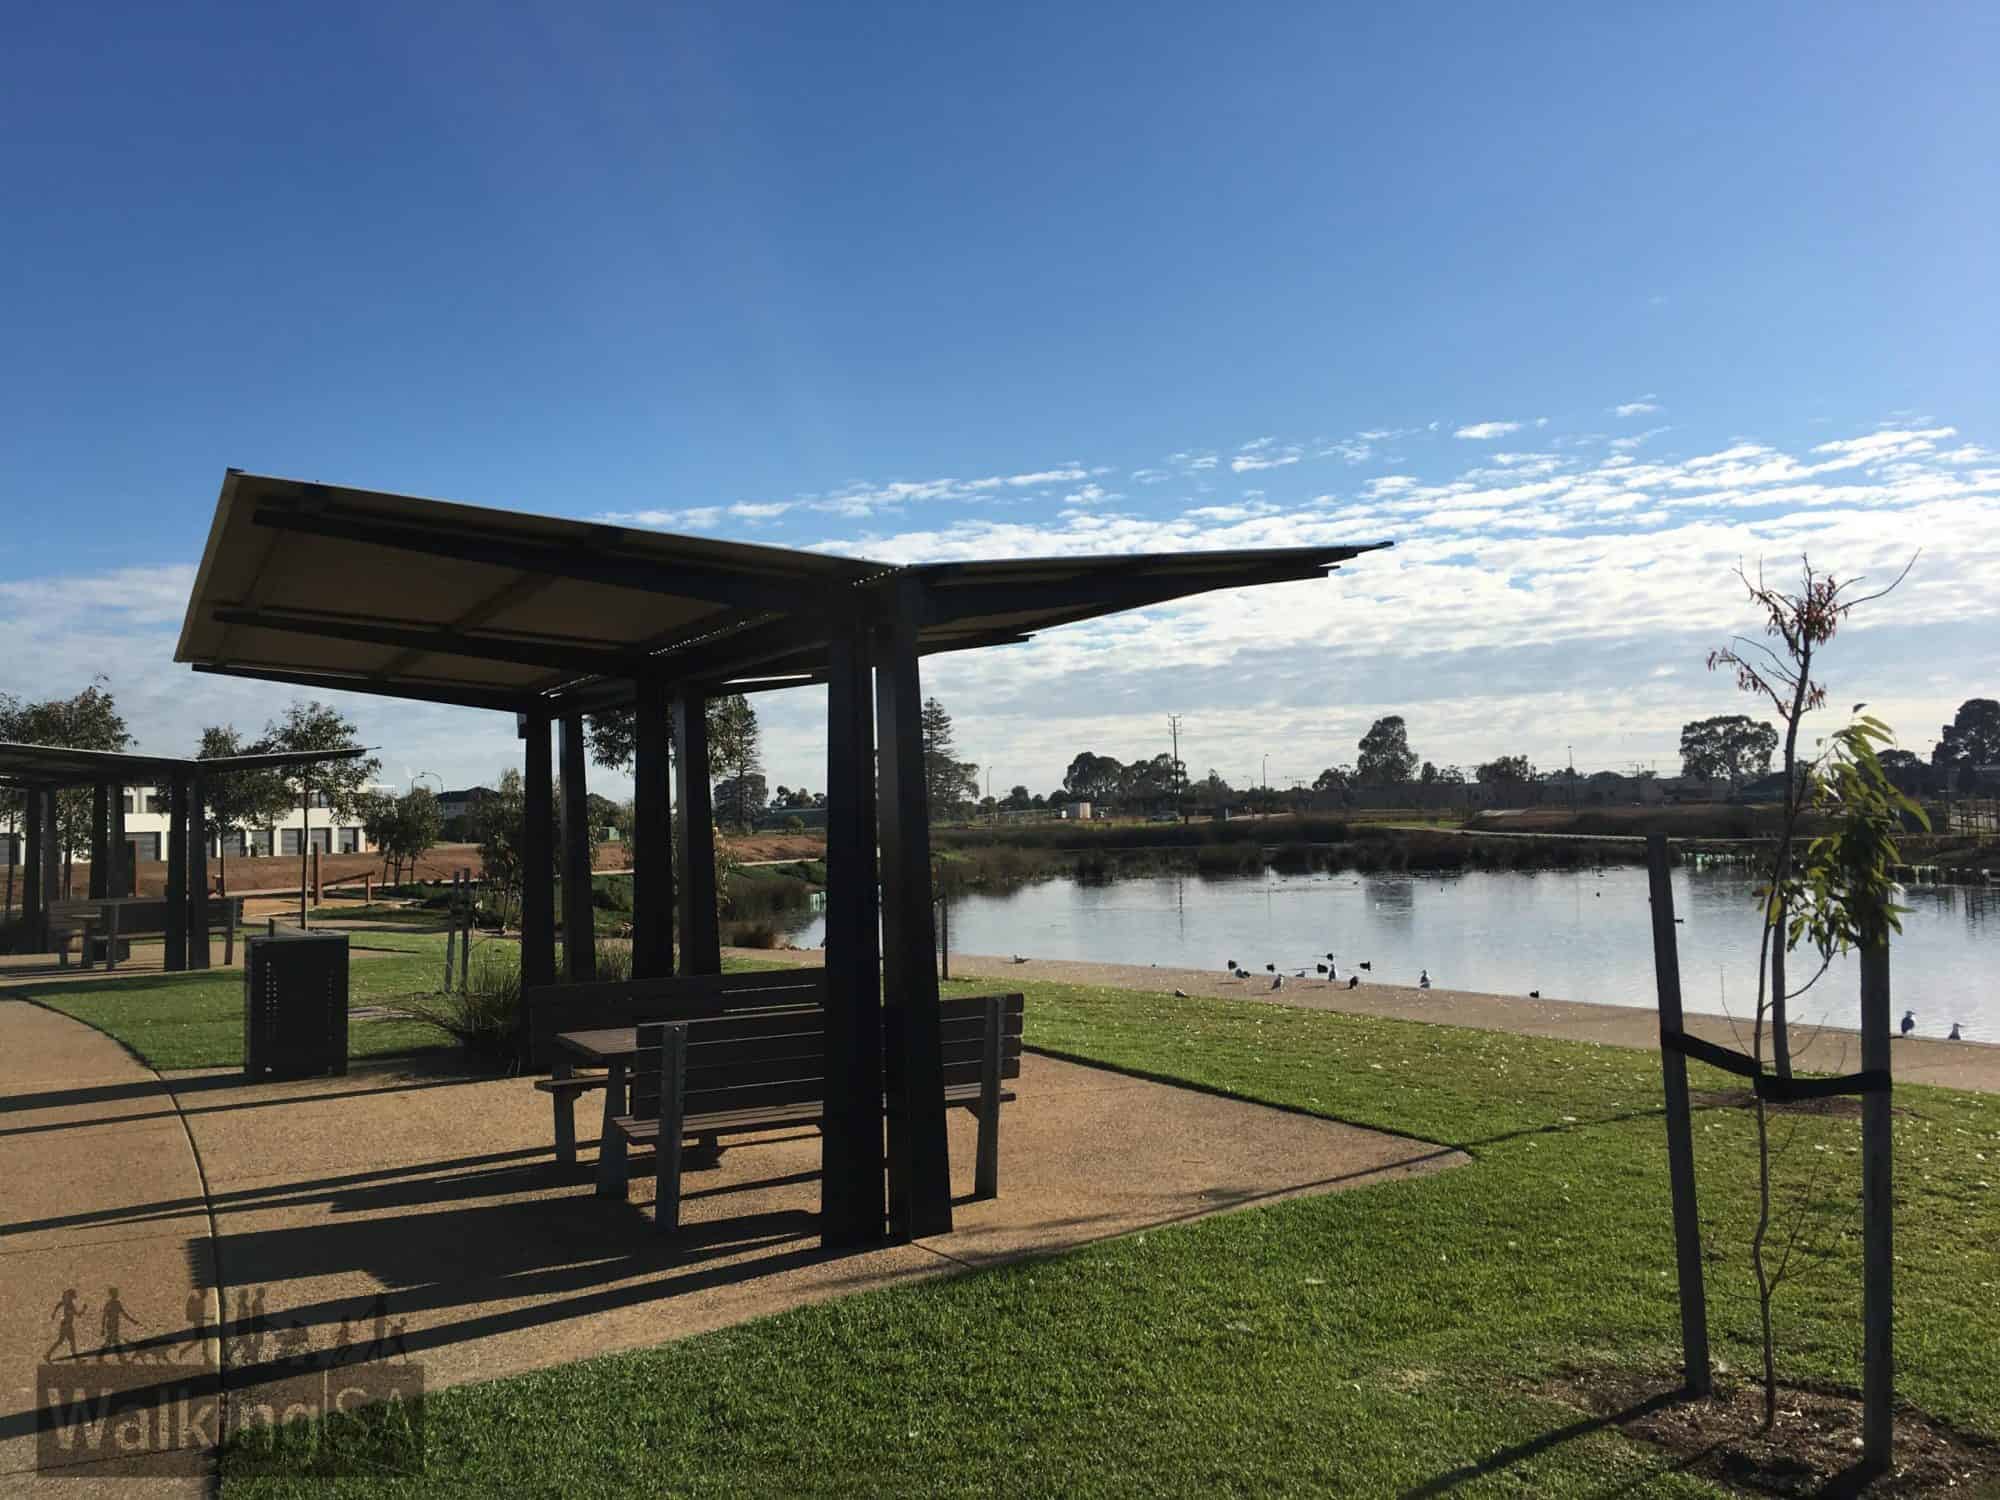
(1810, 1451)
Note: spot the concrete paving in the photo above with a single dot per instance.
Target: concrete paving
(100, 1190)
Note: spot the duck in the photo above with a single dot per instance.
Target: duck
(1909, 1022)
(1424, 979)
(1954, 1037)
(1534, 994)
(1354, 981)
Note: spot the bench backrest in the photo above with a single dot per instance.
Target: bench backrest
(142, 917)
(687, 997)
(764, 1059)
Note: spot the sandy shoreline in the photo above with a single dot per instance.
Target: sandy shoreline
(1828, 1049)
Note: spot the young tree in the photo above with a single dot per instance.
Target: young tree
(499, 822)
(237, 799)
(1839, 890)
(1505, 768)
(1385, 752)
(1730, 747)
(320, 726)
(403, 829)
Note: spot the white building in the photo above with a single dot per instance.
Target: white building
(146, 828)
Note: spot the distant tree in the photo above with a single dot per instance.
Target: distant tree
(614, 736)
(1912, 774)
(413, 828)
(740, 800)
(237, 800)
(1451, 776)
(1333, 779)
(1505, 768)
(1971, 739)
(320, 726)
(949, 783)
(88, 721)
(734, 754)
(1385, 752)
(1092, 778)
(1017, 799)
(1730, 747)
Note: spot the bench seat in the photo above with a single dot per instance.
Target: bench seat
(740, 1121)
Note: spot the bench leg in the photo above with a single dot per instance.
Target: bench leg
(611, 1167)
(986, 1167)
(706, 1155)
(565, 1121)
(667, 1157)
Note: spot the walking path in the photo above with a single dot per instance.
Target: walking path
(102, 1195)
(1828, 1049)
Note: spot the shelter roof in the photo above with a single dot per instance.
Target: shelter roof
(331, 587)
(59, 765)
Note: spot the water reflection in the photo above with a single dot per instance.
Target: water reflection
(1580, 935)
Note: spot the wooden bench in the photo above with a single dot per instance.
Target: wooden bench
(767, 1071)
(687, 997)
(112, 923)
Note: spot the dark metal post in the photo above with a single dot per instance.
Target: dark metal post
(1680, 1126)
(852, 1207)
(177, 903)
(34, 897)
(919, 1166)
(538, 881)
(701, 935)
(100, 841)
(52, 853)
(197, 872)
(1878, 1239)
(652, 829)
(119, 876)
(579, 936)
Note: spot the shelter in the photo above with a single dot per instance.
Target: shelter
(38, 772)
(553, 620)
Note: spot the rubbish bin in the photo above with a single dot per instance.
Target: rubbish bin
(295, 1005)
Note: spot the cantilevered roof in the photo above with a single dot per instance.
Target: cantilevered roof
(59, 765)
(330, 587)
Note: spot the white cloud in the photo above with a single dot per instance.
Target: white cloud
(1483, 430)
(1644, 405)
(1638, 439)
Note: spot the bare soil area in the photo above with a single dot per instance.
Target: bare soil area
(1811, 1450)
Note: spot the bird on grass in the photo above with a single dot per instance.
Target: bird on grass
(1909, 1022)
(1954, 1037)
(1181, 995)
(1278, 982)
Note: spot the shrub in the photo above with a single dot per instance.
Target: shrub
(485, 1017)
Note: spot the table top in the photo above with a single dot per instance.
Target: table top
(609, 1044)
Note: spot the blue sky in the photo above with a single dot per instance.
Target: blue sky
(816, 275)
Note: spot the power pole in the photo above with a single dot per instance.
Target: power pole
(1174, 771)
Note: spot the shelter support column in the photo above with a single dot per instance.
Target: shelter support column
(100, 841)
(919, 1165)
(853, 1210)
(701, 935)
(177, 904)
(652, 829)
(197, 872)
(538, 881)
(579, 938)
(34, 895)
(118, 877)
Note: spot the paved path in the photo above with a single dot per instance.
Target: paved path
(100, 1190)
(1961, 1065)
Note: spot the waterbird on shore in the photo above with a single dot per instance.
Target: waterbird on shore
(1278, 982)
(1909, 1022)
(1424, 979)
(1365, 964)
(1181, 994)
(1954, 1037)
(1230, 965)
(1354, 981)
(1534, 994)
(1018, 959)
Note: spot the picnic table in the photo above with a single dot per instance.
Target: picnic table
(611, 1048)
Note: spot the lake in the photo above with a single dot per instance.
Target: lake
(1571, 935)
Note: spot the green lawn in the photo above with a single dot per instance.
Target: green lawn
(1368, 1343)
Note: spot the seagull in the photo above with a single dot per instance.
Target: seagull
(1954, 1037)
(1909, 1022)
(1424, 980)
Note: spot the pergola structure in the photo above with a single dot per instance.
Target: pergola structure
(38, 772)
(553, 620)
